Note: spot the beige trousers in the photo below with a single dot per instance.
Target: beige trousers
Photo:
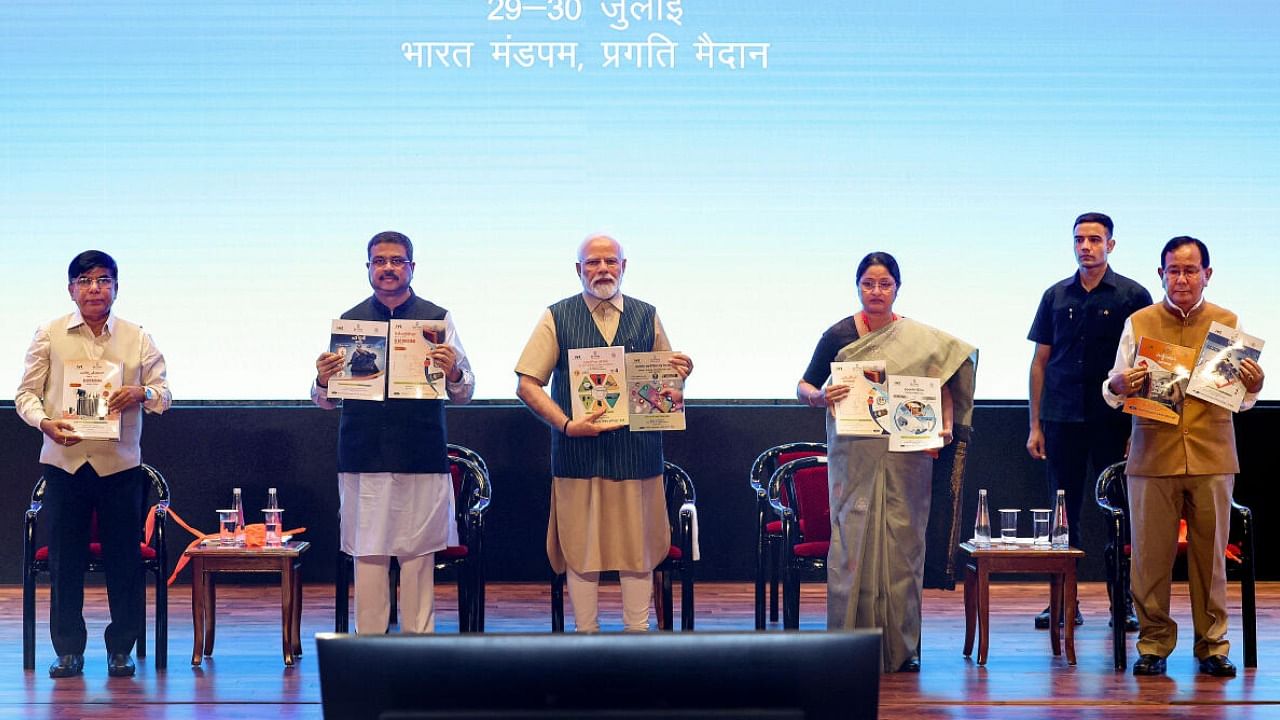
(1156, 504)
(417, 594)
(584, 593)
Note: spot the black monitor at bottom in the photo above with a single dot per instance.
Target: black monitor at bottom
(672, 676)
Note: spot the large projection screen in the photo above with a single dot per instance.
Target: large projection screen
(235, 156)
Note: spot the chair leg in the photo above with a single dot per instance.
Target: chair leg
(557, 603)
(342, 594)
(668, 613)
(790, 599)
(775, 560)
(1249, 609)
(477, 598)
(28, 619)
(394, 592)
(762, 568)
(142, 620)
(162, 619)
(686, 597)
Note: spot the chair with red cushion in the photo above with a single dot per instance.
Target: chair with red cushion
(682, 501)
(472, 492)
(769, 532)
(155, 559)
(806, 527)
(1112, 496)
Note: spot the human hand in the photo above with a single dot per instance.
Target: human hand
(446, 358)
(683, 364)
(1035, 443)
(328, 365)
(587, 426)
(60, 431)
(1251, 375)
(1128, 381)
(124, 398)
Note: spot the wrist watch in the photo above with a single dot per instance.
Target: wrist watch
(148, 394)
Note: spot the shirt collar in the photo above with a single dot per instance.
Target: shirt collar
(77, 320)
(384, 310)
(1168, 304)
(594, 302)
(1108, 278)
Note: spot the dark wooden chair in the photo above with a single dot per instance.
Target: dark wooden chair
(1111, 493)
(681, 499)
(472, 493)
(155, 559)
(769, 532)
(806, 527)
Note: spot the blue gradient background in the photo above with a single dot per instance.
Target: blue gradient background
(235, 157)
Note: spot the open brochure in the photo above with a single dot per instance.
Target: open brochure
(362, 345)
(1164, 389)
(865, 410)
(637, 389)
(87, 389)
(915, 413)
(414, 375)
(1216, 378)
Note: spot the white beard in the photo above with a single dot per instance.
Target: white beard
(603, 289)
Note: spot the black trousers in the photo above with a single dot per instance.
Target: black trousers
(1077, 453)
(70, 501)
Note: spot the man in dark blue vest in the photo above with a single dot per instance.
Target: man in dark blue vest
(394, 490)
(608, 511)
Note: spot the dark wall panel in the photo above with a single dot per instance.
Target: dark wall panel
(206, 450)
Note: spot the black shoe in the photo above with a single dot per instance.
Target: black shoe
(120, 665)
(67, 666)
(1218, 666)
(1152, 665)
(911, 666)
(1042, 620)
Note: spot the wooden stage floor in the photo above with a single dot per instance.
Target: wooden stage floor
(247, 679)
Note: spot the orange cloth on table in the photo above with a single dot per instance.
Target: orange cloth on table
(255, 536)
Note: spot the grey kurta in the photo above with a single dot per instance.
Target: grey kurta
(880, 500)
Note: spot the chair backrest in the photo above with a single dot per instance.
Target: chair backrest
(805, 479)
(679, 490)
(1112, 491)
(157, 494)
(472, 490)
(768, 462)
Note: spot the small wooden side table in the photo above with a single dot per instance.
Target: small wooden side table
(207, 560)
(1059, 565)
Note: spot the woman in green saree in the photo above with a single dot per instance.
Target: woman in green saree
(880, 499)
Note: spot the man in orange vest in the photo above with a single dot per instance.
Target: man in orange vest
(1183, 470)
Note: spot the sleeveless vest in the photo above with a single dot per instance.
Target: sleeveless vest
(617, 454)
(393, 435)
(1204, 440)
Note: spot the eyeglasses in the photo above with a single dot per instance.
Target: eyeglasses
(1181, 272)
(104, 282)
(396, 261)
(883, 286)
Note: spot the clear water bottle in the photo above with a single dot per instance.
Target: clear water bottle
(1060, 535)
(238, 504)
(271, 515)
(982, 524)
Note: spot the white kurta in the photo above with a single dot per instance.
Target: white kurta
(397, 514)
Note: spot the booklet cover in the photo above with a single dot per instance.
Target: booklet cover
(87, 388)
(1216, 377)
(865, 410)
(597, 381)
(1168, 370)
(414, 376)
(915, 413)
(656, 392)
(362, 345)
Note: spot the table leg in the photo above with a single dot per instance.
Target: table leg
(1055, 611)
(210, 611)
(1068, 610)
(197, 609)
(984, 607)
(296, 625)
(286, 612)
(970, 607)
